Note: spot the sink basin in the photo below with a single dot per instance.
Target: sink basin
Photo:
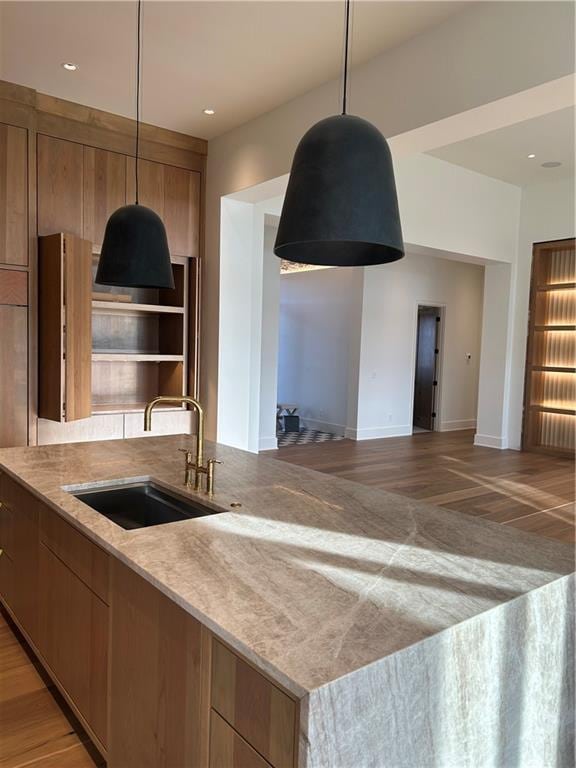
(141, 505)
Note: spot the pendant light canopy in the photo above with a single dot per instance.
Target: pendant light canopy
(135, 250)
(341, 207)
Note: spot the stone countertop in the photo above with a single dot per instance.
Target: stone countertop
(313, 577)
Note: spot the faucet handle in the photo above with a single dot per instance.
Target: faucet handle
(214, 461)
(188, 454)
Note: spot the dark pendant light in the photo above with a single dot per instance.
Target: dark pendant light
(135, 250)
(341, 207)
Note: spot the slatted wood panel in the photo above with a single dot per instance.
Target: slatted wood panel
(550, 389)
(13, 195)
(529, 491)
(37, 729)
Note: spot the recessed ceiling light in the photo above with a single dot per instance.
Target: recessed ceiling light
(209, 111)
(69, 66)
(551, 164)
(531, 156)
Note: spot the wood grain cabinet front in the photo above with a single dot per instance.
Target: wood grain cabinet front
(64, 328)
(13, 358)
(13, 195)
(256, 708)
(228, 749)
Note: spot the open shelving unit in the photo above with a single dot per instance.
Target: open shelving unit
(139, 342)
(550, 390)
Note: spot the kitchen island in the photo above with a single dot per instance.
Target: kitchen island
(321, 623)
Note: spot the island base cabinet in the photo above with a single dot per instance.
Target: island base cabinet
(73, 639)
(228, 749)
(159, 678)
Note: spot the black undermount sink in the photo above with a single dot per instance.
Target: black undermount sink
(141, 504)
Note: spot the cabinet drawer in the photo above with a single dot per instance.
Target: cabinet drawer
(228, 749)
(85, 559)
(263, 714)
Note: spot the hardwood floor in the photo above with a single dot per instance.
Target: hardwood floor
(37, 729)
(530, 491)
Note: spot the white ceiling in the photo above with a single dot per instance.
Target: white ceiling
(241, 58)
(503, 154)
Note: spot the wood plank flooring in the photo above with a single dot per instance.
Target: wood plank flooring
(530, 491)
(37, 729)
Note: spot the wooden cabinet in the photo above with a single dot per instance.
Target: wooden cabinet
(13, 195)
(60, 186)
(13, 370)
(158, 682)
(104, 181)
(65, 328)
(228, 749)
(19, 540)
(174, 193)
(73, 638)
(256, 708)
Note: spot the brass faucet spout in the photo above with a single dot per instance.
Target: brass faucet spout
(180, 399)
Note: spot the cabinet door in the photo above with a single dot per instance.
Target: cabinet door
(13, 375)
(104, 190)
(156, 653)
(73, 638)
(65, 328)
(228, 749)
(13, 195)
(60, 186)
(174, 193)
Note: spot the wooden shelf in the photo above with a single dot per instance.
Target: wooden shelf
(557, 287)
(134, 357)
(553, 369)
(555, 327)
(545, 409)
(120, 308)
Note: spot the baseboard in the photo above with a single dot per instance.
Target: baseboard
(376, 433)
(457, 424)
(490, 441)
(323, 426)
(267, 444)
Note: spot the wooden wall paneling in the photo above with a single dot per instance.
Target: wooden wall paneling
(256, 708)
(150, 184)
(13, 287)
(157, 682)
(73, 639)
(50, 327)
(228, 749)
(104, 190)
(60, 186)
(13, 195)
(182, 210)
(13, 376)
(78, 333)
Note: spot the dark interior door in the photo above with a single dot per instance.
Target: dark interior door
(425, 377)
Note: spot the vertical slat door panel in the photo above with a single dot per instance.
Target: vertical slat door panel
(13, 195)
(78, 332)
(60, 186)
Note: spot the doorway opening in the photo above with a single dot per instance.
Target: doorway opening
(427, 369)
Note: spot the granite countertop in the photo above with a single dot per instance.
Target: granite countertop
(313, 577)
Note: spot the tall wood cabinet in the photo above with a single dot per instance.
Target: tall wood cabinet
(550, 391)
(64, 169)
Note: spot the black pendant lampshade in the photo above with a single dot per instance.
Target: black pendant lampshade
(340, 207)
(135, 250)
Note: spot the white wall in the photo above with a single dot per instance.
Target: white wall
(317, 332)
(392, 293)
(485, 53)
(547, 213)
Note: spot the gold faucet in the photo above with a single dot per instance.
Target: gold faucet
(194, 468)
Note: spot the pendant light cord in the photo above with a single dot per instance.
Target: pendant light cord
(138, 98)
(346, 39)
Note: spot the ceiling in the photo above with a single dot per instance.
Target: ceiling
(503, 154)
(240, 58)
